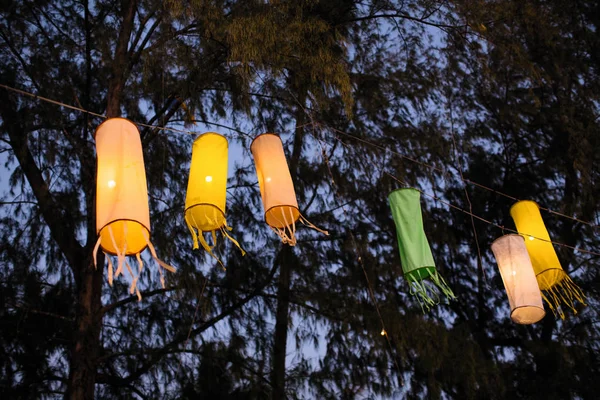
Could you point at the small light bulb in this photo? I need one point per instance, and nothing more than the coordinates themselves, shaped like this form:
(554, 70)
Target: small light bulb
(268, 179)
(383, 332)
(112, 184)
(208, 178)
(531, 238)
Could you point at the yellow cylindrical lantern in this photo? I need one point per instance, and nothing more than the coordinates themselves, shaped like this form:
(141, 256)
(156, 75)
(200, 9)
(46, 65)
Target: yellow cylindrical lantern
(207, 183)
(277, 188)
(521, 286)
(207, 189)
(557, 288)
(122, 214)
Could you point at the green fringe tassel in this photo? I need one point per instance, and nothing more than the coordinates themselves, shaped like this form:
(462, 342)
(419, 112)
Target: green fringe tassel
(428, 292)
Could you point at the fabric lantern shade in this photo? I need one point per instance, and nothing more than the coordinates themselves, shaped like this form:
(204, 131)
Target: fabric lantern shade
(519, 279)
(122, 213)
(556, 286)
(277, 188)
(207, 189)
(415, 254)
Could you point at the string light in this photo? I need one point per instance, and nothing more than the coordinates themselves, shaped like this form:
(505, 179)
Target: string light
(362, 265)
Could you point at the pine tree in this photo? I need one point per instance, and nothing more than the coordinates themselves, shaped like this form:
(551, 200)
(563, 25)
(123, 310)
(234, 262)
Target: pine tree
(367, 97)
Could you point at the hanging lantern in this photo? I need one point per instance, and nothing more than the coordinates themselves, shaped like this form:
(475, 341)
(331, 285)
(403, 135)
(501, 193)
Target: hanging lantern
(207, 190)
(519, 279)
(415, 255)
(277, 188)
(122, 214)
(556, 286)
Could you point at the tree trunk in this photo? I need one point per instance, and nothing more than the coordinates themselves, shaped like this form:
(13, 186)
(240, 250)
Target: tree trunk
(86, 344)
(281, 324)
(86, 340)
(285, 274)
(120, 63)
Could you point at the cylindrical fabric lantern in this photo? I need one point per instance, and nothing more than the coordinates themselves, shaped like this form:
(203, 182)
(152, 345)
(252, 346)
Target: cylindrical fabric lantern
(415, 255)
(207, 190)
(122, 214)
(277, 188)
(556, 286)
(521, 286)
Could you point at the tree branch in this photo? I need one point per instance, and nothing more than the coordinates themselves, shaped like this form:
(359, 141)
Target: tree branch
(403, 16)
(109, 307)
(118, 78)
(59, 220)
(157, 354)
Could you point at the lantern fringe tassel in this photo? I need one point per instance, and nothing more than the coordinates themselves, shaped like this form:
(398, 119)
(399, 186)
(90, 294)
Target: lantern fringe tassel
(427, 293)
(288, 232)
(198, 236)
(122, 260)
(563, 293)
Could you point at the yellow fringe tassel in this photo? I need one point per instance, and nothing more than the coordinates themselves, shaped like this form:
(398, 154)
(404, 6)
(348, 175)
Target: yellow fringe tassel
(563, 293)
(198, 236)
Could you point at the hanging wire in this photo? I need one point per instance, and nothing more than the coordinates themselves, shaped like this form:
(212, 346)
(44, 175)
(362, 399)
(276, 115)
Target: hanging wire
(460, 170)
(357, 138)
(71, 107)
(466, 180)
(199, 301)
(313, 123)
(47, 100)
(470, 213)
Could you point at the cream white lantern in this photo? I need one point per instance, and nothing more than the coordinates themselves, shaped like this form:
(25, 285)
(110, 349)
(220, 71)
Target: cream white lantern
(521, 286)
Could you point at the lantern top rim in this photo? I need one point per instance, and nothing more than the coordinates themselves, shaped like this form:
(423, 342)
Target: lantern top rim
(263, 134)
(509, 234)
(524, 201)
(211, 133)
(406, 188)
(113, 118)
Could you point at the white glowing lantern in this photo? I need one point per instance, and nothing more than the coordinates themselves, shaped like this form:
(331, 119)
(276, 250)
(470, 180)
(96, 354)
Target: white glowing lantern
(521, 285)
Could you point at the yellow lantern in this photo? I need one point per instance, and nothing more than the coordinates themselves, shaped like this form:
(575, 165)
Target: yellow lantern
(556, 286)
(122, 214)
(207, 190)
(277, 188)
(519, 279)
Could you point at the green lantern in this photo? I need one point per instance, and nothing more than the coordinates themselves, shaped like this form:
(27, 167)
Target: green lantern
(415, 255)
